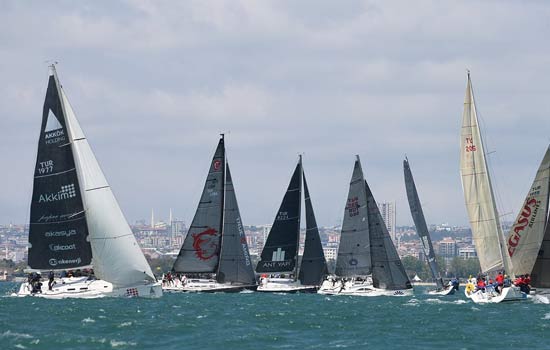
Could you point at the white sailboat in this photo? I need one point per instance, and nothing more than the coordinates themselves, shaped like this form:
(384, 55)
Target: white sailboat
(75, 221)
(480, 204)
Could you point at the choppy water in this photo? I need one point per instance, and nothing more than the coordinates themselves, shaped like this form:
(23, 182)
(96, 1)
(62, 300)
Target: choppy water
(271, 321)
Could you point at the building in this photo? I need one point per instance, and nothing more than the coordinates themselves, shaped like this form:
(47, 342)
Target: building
(387, 209)
(331, 253)
(467, 253)
(447, 248)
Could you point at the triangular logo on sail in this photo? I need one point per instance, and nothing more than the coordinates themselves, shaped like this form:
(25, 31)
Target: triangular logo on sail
(52, 123)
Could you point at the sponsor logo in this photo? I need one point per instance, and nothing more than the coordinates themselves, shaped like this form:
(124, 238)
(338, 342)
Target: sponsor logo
(352, 206)
(278, 255)
(217, 164)
(353, 262)
(206, 244)
(53, 133)
(283, 215)
(398, 292)
(132, 292)
(426, 247)
(277, 264)
(54, 137)
(64, 233)
(66, 192)
(45, 167)
(56, 262)
(243, 242)
(526, 218)
(52, 217)
(62, 247)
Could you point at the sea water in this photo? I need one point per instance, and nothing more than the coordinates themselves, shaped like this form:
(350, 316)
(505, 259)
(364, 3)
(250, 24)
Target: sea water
(271, 321)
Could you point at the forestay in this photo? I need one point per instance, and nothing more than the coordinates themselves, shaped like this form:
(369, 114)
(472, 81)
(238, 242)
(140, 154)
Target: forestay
(354, 257)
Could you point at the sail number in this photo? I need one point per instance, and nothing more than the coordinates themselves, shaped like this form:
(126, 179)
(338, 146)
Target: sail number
(470, 147)
(45, 167)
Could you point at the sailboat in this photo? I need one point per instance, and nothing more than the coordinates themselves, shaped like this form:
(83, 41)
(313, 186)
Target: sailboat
(279, 256)
(525, 241)
(214, 256)
(481, 206)
(423, 233)
(367, 263)
(75, 220)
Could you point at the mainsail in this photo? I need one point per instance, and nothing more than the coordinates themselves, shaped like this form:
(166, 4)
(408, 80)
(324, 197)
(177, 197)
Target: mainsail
(420, 223)
(314, 265)
(526, 235)
(540, 276)
(478, 192)
(201, 247)
(235, 265)
(281, 248)
(354, 257)
(58, 230)
(387, 270)
(117, 257)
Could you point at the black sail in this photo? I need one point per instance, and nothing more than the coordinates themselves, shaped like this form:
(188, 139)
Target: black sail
(314, 265)
(387, 270)
(281, 248)
(354, 250)
(235, 264)
(201, 247)
(540, 276)
(420, 223)
(58, 230)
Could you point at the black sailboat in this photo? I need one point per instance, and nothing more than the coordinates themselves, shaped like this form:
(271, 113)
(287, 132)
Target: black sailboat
(214, 255)
(279, 256)
(422, 231)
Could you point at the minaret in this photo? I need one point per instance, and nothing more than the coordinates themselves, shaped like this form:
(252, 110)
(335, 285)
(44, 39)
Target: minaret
(152, 219)
(170, 220)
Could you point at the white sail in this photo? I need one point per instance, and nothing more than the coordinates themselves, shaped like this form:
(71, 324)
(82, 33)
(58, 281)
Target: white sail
(117, 257)
(478, 192)
(525, 236)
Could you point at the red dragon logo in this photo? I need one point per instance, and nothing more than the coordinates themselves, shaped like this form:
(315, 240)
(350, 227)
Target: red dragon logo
(205, 244)
(217, 164)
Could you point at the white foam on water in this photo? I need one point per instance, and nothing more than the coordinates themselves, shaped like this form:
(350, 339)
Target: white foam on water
(201, 316)
(246, 291)
(10, 334)
(125, 324)
(19, 346)
(88, 320)
(546, 316)
(540, 299)
(117, 343)
(475, 308)
(460, 301)
(101, 316)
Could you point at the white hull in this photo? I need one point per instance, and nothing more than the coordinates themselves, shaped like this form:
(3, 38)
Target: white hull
(360, 288)
(283, 285)
(82, 288)
(201, 285)
(508, 294)
(449, 290)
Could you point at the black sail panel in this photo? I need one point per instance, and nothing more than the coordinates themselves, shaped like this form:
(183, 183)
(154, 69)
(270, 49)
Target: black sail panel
(201, 247)
(58, 231)
(235, 264)
(387, 270)
(281, 247)
(354, 257)
(420, 223)
(314, 265)
(540, 276)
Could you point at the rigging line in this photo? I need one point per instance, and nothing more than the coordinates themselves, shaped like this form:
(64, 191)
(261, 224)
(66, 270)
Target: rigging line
(97, 188)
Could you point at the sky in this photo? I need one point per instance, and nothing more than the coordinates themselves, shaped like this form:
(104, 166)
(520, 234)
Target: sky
(153, 83)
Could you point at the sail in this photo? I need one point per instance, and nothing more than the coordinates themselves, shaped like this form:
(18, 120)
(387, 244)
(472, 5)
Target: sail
(540, 276)
(420, 223)
(281, 247)
(58, 230)
(201, 247)
(354, 250)
(527, 232)
(117, 257)
(314, 265)
(387, 270)
(478, 192)
(235, 264)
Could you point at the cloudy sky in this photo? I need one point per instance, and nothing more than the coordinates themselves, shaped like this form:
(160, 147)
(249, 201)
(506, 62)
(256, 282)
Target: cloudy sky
(154, 82)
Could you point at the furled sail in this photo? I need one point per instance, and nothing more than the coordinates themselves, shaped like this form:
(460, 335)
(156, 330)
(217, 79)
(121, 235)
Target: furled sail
(58, 230)
(478, 192)
(420, 223)
(117, 257)
(387, 270)
(354, 257)
(525, 236)
(201, 247)
(314, 265)
(235, 264)
(280, 250)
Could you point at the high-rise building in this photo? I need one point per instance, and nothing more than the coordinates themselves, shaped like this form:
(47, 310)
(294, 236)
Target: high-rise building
(387, 209)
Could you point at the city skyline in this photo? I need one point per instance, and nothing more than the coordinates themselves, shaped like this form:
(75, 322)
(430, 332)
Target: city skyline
(153, 84)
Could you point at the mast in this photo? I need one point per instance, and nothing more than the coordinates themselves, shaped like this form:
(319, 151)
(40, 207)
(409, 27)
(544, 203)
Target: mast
(301, 176)
(222, 207)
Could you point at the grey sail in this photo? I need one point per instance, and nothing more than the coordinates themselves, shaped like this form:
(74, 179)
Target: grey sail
(354, 256)
(387, 270)
(281, 248)
(235, 265)
(201, 247)
(420, 223)
(58, 232)
(540, 276)
(314, 265)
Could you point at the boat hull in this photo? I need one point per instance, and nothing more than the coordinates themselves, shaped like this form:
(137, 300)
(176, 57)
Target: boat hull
(508, 294)
(203, 286)
(284, 285)
(82, 288)
(447, 291)
(360, 288)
